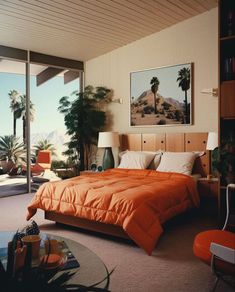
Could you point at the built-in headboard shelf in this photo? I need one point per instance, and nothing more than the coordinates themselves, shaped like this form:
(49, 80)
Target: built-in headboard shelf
(174, 142)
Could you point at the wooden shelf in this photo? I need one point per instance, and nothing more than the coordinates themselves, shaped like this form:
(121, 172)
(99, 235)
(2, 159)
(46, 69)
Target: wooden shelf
(228, 81)
(228, 38)
(227, 99)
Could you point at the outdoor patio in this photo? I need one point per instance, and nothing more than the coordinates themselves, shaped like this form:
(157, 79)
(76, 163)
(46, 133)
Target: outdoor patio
(15, 185)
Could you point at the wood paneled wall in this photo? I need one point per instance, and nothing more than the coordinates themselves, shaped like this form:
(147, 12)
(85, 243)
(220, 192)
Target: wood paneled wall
(173, 142)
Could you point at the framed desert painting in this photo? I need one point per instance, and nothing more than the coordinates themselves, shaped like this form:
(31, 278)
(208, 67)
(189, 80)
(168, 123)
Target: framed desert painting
(161, 96)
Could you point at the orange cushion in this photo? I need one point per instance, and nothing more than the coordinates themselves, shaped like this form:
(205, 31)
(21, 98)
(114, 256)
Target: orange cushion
(203, 240)
(44, 156)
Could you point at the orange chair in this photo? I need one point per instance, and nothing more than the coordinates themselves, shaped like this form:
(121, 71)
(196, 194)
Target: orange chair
(43, 162)
(217, 247)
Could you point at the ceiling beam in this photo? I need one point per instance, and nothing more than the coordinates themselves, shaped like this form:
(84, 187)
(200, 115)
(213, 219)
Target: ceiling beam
(47, 74)
(70, 76)
(54, 61)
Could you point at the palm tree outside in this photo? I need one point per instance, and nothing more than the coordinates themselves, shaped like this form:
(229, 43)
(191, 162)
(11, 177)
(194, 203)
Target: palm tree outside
(154, 88)
(44, 144)
(11, 150)
(23, 114)
(184, 83)
(14, 96)
(18, 107)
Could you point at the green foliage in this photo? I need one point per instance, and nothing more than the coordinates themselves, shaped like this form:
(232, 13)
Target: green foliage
(12, 150)
(223, 158)
(59, 164)
(84, 119)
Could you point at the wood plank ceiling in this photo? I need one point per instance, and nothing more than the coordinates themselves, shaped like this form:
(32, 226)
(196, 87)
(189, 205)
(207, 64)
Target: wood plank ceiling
(84, 29)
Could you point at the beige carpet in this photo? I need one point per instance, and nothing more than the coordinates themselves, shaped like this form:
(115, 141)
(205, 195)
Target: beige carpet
(172, 267)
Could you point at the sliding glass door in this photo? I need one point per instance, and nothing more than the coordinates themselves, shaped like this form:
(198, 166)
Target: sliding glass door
(13, 150)
(48, 132)
(31, 86)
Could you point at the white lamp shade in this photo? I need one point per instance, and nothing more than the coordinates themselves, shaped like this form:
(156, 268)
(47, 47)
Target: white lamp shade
(212, 141)
(108, 139)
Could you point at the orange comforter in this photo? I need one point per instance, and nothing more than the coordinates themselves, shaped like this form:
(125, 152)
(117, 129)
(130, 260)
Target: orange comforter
(138, 200)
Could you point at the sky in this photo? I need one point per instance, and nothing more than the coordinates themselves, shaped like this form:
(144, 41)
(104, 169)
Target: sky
(45, 99)
(168, 87)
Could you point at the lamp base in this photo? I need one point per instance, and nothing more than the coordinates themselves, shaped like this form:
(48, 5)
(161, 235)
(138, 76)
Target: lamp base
(209, 176)
(108, 160)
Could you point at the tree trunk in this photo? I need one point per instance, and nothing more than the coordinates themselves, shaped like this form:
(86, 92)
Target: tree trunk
(155, 101)
(186, 107)
(81, 156)
(24, 130)
(14, 126)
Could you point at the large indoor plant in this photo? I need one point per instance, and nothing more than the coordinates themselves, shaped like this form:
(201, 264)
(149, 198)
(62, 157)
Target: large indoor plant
(84, 117)
(223, 159)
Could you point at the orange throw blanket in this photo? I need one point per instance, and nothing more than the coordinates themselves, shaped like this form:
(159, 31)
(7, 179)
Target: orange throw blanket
(138, 200)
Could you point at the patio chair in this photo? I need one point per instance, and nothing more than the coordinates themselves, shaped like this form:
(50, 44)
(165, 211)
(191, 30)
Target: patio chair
(217, 247)
(43, 162)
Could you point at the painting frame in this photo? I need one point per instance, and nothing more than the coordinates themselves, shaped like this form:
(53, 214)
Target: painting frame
(162, 96)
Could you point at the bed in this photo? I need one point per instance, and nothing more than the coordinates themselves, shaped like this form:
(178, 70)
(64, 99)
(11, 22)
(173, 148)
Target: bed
(131, 203)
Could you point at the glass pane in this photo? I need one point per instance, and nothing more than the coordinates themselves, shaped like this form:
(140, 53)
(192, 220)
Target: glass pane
(48, 131)
(13, 167)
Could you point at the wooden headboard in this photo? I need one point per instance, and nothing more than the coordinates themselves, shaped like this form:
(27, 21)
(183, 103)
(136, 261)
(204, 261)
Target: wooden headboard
(174, 142)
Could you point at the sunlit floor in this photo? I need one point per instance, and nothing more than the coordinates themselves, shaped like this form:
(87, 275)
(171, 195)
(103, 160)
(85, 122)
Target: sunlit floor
(14, 185)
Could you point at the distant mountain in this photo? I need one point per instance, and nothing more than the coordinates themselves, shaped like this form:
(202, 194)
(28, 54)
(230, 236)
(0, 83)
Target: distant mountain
(147, 97)
(57, 137)
(168, 110)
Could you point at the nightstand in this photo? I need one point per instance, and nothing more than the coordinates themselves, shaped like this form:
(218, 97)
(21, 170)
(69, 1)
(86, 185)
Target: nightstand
(209, 195)
(208, 187)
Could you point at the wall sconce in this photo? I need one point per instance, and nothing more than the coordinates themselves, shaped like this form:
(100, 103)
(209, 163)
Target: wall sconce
(211, 91)
(117, 100)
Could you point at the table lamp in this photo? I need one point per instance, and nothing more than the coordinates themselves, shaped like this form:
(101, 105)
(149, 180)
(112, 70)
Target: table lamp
(212, 143)
(108, 140)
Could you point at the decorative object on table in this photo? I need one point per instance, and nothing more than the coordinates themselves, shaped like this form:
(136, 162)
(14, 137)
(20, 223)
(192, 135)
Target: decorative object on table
(161, 96)
(30, 229)
(84, 117)
(93, 167)
(108, 140)
(21, 276)
(100, 168)
(212, 143)
(32, 242)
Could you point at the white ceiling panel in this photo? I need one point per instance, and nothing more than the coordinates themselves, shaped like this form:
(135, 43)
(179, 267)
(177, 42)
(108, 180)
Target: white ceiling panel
(84, 29)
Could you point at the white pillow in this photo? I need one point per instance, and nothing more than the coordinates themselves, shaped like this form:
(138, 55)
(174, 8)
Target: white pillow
(181, 162)
(136, 159)
(156, 161)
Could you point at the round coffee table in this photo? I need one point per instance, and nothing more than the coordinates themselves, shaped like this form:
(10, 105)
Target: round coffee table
(91, 270)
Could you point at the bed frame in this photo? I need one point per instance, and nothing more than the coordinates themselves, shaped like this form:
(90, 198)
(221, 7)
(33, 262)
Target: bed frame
(174, 142)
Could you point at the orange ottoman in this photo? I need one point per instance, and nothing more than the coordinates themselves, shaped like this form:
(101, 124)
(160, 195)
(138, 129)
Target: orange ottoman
(202, 243)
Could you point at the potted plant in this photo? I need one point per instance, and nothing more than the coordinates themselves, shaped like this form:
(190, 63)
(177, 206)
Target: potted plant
(223, 159)
(84, 117)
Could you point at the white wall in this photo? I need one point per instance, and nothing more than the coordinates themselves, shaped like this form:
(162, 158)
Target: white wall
(194, 40)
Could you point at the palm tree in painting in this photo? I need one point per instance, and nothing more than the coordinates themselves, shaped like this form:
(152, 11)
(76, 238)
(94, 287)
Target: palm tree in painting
(184, 83)
(14, 96)
(154, 88)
